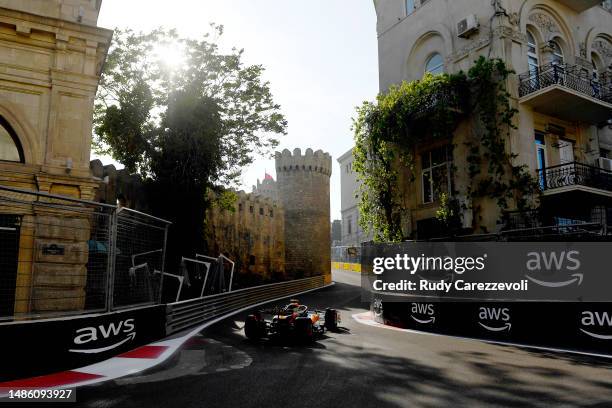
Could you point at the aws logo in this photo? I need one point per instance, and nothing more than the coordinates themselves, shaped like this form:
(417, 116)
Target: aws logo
(554, 262)
(124, 330)
(594, 323)
(425, 311)
(495, 319)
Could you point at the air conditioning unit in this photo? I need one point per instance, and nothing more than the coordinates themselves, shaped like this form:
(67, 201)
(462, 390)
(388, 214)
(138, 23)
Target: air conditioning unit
(468, 26)
(605, 163)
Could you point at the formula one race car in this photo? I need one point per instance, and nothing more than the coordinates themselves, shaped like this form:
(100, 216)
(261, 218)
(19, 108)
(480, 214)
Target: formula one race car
(294, 320)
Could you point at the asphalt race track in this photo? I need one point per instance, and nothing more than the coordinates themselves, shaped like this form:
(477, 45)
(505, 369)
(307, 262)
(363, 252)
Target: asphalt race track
(359, 366)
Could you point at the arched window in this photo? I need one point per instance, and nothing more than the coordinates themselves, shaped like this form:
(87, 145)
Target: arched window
(435, 64)
(595, 85)
(597, 65)
(557, 53)
(10, 148)
(532, 54)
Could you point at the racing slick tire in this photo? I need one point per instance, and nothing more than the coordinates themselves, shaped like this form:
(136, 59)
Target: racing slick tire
(331, 319)
(303, 329)
(252, 328)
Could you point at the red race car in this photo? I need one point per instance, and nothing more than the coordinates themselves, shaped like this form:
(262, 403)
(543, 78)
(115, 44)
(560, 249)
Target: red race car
(294, 320)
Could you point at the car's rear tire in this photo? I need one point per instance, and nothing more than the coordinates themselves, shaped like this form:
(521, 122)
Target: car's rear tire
(303, 329)
(331, 319)
(252, 328)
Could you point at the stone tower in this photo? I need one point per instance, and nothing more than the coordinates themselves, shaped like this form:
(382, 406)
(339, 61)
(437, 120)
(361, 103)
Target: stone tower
(303, 189)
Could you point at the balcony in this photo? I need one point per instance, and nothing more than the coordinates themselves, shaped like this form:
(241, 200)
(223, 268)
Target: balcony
(551, 225)
(454, 98)
(567, 92)
(580, 5)
(575, 177)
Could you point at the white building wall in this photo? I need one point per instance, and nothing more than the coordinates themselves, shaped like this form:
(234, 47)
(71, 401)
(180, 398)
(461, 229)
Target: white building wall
(352, 233)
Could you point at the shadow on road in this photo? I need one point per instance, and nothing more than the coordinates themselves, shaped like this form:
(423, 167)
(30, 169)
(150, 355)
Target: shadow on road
(371, 367)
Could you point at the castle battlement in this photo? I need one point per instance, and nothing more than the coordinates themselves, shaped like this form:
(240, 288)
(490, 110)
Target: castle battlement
(255, 199)
(318, 161)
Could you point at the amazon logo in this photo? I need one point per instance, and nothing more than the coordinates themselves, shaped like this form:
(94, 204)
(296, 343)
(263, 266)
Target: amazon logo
(552, 262)
(597, 324)
(423, 313)
(494, 319)
(116, 333)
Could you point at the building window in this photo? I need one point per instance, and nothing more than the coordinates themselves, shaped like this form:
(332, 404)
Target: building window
(261, 211)
(435, 173)
(409, 7)
(349, 225)
(557, 53)
(10, 148)
(251, 209)
(540, 144)
(532, 54)
(435, 64)
(271, 213)
(240, 207)
(596, 68)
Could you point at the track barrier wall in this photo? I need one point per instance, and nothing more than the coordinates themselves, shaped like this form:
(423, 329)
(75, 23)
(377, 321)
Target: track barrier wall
(557, 305)
(38, 347)
(575, 326)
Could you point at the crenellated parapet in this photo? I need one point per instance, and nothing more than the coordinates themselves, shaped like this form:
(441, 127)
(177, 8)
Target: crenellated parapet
(303, 189)
(256, 200)
(319, 161)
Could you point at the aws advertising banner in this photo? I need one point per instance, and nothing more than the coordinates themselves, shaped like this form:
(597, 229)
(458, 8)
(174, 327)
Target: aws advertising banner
(554, 295)
(493, 271)
(46, 346)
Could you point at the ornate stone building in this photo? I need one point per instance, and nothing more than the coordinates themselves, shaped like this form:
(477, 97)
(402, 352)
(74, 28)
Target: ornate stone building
(51, 58)
(561, 51)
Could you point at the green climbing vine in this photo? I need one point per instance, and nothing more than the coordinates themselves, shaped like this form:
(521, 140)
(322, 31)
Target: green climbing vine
(494, 116)
(388, 130)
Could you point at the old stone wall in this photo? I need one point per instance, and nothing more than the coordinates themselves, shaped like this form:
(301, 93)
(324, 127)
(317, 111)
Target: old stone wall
(251, 234)
(303, 186)
(119, 187)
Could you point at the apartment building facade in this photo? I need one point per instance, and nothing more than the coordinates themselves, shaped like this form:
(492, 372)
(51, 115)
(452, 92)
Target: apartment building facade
(561, 53)
(352, 233)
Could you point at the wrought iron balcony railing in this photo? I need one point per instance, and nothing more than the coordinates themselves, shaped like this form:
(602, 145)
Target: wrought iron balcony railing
(575, 174)
(546, 223)
(444, 97)
(569, 76)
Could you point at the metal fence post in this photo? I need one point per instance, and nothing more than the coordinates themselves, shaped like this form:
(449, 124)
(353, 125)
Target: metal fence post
(163, 266)
(112, 238)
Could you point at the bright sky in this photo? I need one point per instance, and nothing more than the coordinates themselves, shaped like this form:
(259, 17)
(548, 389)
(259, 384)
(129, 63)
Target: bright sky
(320, 58)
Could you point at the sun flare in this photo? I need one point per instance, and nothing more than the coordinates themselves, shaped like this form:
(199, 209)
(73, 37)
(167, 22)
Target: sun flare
(171, 55)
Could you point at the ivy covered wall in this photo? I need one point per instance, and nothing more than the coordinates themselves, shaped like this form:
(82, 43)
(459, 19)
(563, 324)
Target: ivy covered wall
(471, 113)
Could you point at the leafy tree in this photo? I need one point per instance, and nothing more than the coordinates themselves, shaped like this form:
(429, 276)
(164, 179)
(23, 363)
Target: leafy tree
(186, 129)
